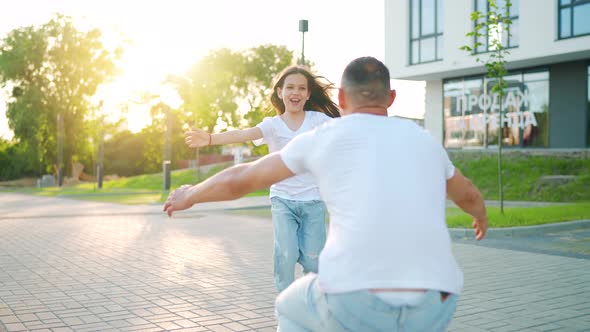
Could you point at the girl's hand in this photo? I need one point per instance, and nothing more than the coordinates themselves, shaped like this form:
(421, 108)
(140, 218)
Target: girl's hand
(197, 138)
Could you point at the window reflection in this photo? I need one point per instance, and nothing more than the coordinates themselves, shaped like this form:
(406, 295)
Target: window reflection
(471, 117)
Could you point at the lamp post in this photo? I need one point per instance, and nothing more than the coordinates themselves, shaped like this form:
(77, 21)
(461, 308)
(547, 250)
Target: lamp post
(100, 156)
(303, 30)
(60, 149)
(171, 102)
(167, 150)
(100, 163)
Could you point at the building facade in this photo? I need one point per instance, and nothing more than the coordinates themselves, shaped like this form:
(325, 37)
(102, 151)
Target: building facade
(547, 102)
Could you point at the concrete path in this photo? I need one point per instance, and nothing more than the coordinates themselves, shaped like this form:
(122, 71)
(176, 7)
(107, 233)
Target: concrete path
(83, 266)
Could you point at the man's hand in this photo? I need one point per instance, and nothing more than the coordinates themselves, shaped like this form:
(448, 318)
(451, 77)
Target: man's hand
(197, 138)
(178, 200)
(480, 227)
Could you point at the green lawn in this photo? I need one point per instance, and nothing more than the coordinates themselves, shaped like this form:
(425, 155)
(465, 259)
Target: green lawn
(512, 216)
(521, 183)
(522, 174)
(142, 189)
(523, 216)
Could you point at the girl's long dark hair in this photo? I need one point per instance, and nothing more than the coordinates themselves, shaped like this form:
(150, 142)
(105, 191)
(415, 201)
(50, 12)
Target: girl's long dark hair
(319, 99)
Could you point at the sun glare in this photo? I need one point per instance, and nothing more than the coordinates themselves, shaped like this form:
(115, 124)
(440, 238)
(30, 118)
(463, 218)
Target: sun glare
(138, 118)
(162, 41)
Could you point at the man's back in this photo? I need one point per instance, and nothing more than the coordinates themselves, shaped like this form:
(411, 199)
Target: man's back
(383, 180)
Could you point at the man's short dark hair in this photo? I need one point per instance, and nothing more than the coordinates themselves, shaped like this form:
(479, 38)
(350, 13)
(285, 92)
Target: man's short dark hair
(366, 78)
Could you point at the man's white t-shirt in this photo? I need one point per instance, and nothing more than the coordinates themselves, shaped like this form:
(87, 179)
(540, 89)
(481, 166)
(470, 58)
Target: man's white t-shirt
(277, 134)
(383, 180)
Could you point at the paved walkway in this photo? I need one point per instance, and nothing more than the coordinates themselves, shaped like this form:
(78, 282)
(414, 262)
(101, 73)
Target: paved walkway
(83, 266)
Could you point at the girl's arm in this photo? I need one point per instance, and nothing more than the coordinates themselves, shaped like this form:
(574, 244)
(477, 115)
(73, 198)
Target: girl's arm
(197, 137)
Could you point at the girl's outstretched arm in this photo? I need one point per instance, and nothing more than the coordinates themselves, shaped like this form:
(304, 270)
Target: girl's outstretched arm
(196, 138)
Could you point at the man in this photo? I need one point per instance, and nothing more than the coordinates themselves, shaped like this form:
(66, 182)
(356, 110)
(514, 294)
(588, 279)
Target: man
(387, 264)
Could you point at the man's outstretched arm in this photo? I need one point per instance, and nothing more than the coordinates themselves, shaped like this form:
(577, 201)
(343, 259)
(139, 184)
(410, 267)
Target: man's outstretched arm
(467, 197)
(231, 183)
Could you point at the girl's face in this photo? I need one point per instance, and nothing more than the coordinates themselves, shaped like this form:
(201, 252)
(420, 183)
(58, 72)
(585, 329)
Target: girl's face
(294, 92)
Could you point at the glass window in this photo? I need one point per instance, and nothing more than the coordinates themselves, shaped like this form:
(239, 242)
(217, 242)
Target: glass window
(582, 19)
(535, 132)
(565, 23)
(453, 108)
(415, 19)
(573, 18)
(511, 39)
(471, 111)
(425, 31)
(474, 115)
(416, 51)
(439, 20)
(428, 17)
(427, 50)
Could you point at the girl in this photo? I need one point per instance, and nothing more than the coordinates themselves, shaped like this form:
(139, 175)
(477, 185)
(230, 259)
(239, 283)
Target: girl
(302, 102)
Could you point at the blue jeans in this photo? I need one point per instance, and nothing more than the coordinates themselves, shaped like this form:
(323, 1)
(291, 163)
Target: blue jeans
(299, 236)
(304, 307)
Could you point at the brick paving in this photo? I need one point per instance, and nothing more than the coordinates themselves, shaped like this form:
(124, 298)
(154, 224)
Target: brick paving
(83, 266)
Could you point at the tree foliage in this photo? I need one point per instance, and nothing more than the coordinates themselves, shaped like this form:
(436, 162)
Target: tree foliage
(215, 87)
(53, 69)
(13, 158)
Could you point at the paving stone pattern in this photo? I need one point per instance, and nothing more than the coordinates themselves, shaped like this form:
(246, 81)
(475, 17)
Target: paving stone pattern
(210, 271)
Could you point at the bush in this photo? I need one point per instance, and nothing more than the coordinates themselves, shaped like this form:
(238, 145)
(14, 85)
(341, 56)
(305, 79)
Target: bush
(14, 161)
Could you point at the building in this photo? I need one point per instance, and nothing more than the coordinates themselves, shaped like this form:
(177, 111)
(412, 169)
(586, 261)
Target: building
(548, 94)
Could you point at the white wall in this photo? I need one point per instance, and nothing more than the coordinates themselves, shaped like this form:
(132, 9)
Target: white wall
(538, 43)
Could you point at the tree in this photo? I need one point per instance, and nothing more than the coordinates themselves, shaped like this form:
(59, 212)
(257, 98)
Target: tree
(13, 158)
(154, 140)
(493, 26)
(210, 89)
(53, 69)
(215, 87)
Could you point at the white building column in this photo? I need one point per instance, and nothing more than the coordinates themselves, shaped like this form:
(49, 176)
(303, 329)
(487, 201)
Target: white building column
(433, 114)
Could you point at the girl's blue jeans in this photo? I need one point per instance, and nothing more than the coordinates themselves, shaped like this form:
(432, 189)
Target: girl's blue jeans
(299, 237)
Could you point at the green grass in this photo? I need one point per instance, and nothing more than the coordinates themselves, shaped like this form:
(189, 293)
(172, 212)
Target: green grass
(521, 183)
(142, 189)
(526, 216)
(521, 176)
(523, 216)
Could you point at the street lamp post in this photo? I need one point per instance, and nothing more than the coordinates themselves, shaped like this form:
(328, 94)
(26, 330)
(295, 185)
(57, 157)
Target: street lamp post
(167, 151)
(100, 163)
(171, 102)
(303, 30)
(60, 149)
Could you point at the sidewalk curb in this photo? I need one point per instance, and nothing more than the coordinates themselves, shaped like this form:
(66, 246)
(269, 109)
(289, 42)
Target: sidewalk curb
(522, 231)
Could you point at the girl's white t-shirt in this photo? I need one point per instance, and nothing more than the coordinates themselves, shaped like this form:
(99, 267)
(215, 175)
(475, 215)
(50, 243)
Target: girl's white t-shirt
(277, 134)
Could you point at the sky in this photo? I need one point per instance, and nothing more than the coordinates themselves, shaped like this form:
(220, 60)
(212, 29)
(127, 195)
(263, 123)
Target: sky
(167, 37)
